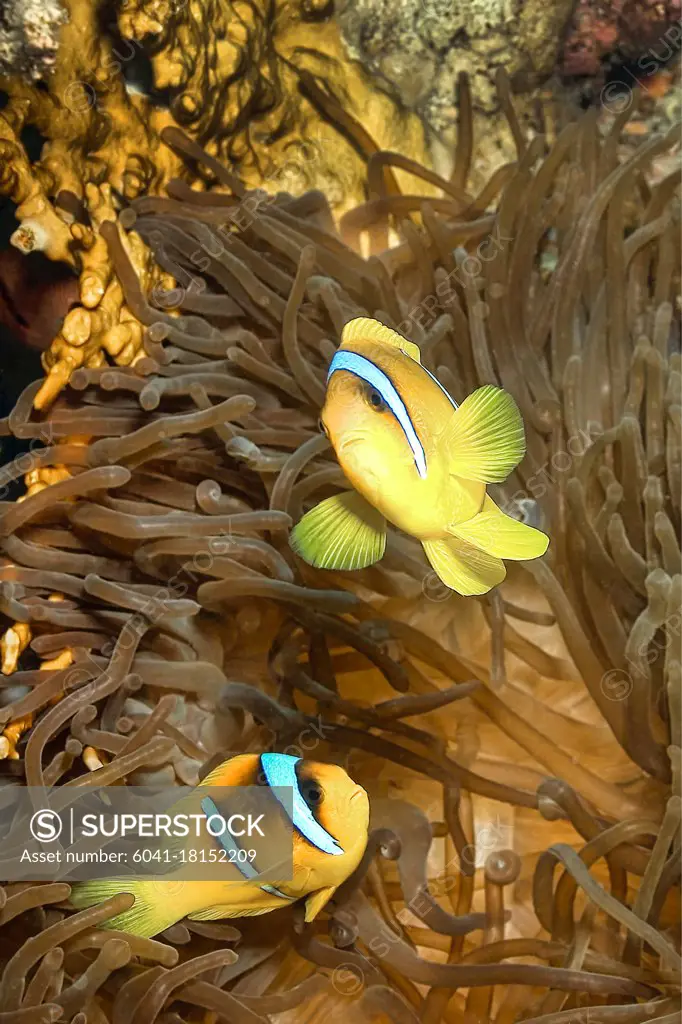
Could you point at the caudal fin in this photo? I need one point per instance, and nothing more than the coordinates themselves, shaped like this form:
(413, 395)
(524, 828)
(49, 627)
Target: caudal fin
(464, 568)
(500, 535)
(152, 912)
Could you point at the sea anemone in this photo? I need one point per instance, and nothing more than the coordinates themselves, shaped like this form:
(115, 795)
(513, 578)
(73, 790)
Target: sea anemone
(521, 751)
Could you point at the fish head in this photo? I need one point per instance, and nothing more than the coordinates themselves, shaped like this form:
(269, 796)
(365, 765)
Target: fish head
(367, 439)
(338, 803)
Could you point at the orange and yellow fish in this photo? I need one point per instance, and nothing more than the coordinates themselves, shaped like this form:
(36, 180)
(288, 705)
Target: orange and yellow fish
(329, 822)
(418, 460)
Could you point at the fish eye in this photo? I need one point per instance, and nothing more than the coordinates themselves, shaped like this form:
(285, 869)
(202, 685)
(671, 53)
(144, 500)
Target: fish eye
(312, 792)
(376, 401)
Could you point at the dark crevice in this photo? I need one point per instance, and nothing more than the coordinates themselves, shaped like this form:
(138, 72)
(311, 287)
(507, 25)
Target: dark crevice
(621, 75)
(131, 58)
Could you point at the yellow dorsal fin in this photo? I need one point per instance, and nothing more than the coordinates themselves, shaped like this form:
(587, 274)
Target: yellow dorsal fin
(364, 328)
(235, 771)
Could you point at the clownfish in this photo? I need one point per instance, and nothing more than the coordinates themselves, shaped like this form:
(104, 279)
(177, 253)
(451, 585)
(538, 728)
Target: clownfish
(329, 824)
(419, 460)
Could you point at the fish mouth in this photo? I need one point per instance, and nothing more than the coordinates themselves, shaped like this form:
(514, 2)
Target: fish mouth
(351, 442)
(358, 791)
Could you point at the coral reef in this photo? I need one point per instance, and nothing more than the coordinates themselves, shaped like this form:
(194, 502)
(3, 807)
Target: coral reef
(241, 96)
(98, 140)
(29, 37)
(288, 95)
(522, 752)
(416, 50)
(644, 31)
(228, 73)
(418, 47)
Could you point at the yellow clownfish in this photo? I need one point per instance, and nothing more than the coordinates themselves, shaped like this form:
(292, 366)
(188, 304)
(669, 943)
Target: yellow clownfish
(419, 460)
(329, 822)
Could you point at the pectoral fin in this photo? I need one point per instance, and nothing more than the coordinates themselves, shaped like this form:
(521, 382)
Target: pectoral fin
(484, 439)
(500, 535)
(343, 532)
(464, 568)
(363, 328)
(317, 900)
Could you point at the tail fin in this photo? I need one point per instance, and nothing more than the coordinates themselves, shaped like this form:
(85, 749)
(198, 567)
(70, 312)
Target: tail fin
(464, 568)
(498, 534)
(152, 912)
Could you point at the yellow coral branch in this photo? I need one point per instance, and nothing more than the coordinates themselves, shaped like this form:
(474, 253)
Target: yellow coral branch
(93, 759)
(13, 644)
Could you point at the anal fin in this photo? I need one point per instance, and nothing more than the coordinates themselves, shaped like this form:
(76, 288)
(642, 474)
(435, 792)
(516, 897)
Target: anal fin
(316, 901)
(227, 910)
(463, 567)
